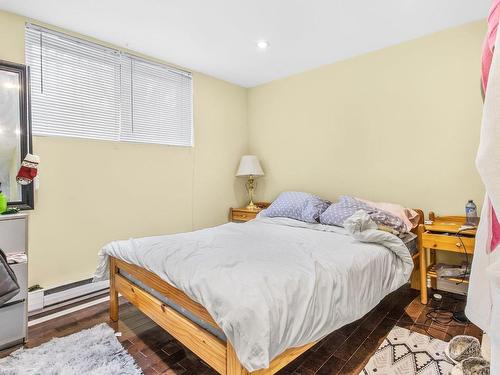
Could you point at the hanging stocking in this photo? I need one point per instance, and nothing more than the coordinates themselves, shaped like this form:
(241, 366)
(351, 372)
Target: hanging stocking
(28, 170)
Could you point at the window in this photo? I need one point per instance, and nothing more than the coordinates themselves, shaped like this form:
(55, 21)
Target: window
(156, 102)
(82, 89)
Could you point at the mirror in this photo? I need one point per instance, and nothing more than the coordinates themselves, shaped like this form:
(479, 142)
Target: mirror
(15, 132)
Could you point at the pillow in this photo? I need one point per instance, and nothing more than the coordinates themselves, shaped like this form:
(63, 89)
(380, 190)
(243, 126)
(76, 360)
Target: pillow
(409, 216)
(386, 219)
(338, 212)
(297, 205)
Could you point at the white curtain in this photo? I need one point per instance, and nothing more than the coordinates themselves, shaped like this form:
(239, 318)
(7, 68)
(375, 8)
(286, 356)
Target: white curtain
(483, 304)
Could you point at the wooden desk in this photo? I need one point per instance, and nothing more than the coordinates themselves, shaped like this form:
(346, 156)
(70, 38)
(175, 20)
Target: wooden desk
(444, 234)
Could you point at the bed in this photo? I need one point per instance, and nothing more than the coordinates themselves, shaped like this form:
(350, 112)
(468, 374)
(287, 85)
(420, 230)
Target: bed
(250, 298)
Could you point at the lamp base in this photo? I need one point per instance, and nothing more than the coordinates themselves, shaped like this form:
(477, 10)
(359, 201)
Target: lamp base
(251, 187)
(252, 207)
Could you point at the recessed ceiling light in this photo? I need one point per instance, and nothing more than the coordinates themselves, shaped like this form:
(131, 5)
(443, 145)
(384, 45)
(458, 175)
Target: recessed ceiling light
(263, 44)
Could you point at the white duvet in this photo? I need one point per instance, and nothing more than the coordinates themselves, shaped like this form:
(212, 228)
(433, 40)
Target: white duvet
(272, 284)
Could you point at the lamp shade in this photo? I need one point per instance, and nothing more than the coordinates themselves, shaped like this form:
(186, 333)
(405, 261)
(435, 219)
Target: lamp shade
(249, 166)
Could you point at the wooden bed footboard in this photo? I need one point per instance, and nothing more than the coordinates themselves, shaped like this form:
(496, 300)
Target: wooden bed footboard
(219, 354)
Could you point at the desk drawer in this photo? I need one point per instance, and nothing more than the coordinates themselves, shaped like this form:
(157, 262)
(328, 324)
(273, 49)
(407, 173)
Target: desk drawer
(449, 243)
(243, 216)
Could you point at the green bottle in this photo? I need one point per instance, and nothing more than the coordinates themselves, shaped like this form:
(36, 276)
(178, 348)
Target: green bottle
(3, 200)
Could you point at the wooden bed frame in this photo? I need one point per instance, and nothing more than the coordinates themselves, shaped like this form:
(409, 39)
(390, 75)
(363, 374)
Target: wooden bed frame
(218, 354)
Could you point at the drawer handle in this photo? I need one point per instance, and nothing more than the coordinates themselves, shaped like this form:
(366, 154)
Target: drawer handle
(243, 215)
(458, 244)
(132, 289)
(163, 306)
(435, 245)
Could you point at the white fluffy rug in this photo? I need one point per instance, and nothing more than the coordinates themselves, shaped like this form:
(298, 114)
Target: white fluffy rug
(94, 351)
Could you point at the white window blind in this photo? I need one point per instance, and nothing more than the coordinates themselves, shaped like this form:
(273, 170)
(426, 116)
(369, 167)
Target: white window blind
(157, 103)
(75, 87)
(82, 89)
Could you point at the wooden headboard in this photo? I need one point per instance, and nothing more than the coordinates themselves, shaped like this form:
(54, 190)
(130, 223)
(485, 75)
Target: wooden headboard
(263, 204)
(415, 275)
(420, 219)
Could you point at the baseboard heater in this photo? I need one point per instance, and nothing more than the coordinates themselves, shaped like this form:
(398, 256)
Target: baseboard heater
(52, 298)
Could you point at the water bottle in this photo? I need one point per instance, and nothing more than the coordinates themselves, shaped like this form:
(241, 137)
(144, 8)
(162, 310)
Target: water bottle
(471, 213)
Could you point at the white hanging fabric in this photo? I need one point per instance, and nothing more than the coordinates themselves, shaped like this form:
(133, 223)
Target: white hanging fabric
(483, 302)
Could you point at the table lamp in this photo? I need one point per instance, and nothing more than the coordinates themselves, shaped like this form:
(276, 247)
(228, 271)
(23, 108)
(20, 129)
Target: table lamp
(250, 167)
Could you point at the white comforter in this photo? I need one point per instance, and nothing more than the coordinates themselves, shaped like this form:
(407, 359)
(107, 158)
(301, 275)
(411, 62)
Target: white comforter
(272, 284)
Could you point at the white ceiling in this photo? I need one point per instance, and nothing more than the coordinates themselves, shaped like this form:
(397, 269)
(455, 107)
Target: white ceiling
(218, 37)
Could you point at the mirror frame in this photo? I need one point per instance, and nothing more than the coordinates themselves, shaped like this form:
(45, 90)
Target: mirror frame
(27, 201)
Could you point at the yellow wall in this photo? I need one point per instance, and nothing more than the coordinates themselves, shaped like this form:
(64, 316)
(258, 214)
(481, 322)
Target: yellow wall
(400, 124)
(92, 192)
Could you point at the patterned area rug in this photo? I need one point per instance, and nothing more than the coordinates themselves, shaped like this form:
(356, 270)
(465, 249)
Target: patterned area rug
(405, 353)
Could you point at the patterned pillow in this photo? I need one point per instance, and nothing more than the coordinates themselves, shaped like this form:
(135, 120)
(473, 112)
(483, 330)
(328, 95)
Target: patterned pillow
(338, 212)
(384, 218)
(297, 205)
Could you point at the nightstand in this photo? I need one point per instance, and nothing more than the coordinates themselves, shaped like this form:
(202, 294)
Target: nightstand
(444, 234)
(242, 215)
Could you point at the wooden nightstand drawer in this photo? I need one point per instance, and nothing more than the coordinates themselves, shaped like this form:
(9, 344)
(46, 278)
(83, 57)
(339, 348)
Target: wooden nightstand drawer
(243, 215)
(449, 243)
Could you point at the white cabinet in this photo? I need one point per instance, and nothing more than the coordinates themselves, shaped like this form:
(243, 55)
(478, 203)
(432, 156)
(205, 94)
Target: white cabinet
(13, 313)
(13, 233)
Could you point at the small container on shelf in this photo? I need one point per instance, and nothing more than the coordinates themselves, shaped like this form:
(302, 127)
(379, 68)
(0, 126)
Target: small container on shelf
(471, 213)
